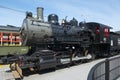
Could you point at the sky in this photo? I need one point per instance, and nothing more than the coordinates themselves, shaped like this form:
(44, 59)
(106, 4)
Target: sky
(103, 11)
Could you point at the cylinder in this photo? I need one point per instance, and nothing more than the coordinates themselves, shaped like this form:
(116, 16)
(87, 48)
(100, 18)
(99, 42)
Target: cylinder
(40, 13)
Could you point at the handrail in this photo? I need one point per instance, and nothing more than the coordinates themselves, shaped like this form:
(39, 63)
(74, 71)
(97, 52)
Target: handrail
(107, 68)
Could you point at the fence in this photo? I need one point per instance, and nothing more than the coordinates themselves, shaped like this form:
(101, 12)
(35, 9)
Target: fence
(106, 70)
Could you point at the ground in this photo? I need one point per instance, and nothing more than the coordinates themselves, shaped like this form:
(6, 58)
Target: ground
(78, 72)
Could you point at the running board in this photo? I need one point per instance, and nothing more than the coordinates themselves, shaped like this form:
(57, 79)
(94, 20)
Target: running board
(67, 60)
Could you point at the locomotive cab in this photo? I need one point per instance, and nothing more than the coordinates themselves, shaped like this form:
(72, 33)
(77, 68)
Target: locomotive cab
(101, 32)
(101, 43)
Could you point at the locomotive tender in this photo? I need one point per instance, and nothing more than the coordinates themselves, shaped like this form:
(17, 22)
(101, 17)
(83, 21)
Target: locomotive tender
(53, 44)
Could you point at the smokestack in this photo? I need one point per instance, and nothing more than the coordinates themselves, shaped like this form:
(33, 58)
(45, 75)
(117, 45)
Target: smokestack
(40, 13)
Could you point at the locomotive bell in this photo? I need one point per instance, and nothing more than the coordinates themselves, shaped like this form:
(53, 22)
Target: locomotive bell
(40, 13)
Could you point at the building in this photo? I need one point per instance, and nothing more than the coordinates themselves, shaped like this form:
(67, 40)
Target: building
(10, 36)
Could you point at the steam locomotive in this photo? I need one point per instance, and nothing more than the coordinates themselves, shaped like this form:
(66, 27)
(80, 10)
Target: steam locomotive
(52, 44)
